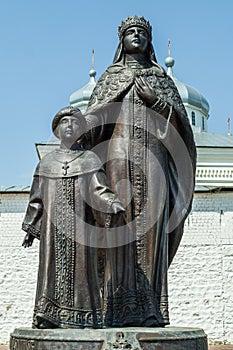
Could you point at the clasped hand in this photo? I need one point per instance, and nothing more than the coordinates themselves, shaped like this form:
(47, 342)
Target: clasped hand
(145, 91)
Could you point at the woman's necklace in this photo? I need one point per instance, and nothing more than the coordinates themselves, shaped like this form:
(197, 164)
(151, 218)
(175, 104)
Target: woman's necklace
(65, 163)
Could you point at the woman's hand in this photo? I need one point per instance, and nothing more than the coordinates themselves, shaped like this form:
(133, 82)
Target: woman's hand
(145, 91)
(28, 240)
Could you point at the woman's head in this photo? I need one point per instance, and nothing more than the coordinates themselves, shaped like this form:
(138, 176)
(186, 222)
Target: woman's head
(135, 34)
(135, 21)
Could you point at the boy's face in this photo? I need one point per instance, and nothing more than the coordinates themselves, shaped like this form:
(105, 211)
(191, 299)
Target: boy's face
(69, 130)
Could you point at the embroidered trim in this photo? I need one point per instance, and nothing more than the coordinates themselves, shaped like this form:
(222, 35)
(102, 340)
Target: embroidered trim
(132, 306)
(108, 220)
(163, 305)
(62, 315)
(149, 71)
(138, 172)
(64, 242)
(31, 229)
(109, 215)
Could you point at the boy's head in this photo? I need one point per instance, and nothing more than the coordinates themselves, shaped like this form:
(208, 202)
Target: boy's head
(69, 125)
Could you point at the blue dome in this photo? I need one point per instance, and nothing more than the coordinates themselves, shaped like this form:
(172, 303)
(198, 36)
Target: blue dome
(191, 96)
(188, 94)
(81, 97)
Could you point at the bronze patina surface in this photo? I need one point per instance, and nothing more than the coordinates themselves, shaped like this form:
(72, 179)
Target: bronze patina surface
(141, 132)
(171, 338)
(127, 167)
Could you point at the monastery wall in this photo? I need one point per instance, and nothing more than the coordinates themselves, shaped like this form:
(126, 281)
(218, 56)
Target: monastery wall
(201, 275)
(18, 272)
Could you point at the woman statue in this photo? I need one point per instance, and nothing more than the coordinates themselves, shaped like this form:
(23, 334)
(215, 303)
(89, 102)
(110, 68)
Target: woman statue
(140, 130)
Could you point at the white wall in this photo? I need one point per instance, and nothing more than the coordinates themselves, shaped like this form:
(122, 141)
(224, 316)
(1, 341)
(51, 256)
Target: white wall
(198, 118)
(18, 270)
(200, 278)
(201, 275)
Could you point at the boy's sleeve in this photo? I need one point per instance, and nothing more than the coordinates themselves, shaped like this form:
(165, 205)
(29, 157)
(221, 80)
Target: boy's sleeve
(102, 198)
(32, 220)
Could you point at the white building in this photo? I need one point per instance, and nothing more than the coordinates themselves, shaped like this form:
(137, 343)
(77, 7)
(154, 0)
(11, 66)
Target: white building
(201, 276)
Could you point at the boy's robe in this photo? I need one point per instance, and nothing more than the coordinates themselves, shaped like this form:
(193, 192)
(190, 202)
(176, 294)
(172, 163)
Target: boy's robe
(67, 202)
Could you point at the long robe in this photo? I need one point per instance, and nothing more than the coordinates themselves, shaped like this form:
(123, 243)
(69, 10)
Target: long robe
(67, 202)
(149, 154)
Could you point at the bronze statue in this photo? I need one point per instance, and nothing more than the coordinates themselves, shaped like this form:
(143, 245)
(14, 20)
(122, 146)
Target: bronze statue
(140, 130)
(69, 198)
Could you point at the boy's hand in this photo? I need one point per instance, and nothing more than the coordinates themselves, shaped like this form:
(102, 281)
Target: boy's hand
(117, 208)
(28, 240)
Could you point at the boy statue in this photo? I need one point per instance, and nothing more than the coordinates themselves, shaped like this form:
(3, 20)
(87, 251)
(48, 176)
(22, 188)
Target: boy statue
(69, 199)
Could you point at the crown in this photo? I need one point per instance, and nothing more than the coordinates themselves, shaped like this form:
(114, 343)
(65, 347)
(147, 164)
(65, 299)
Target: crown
(134, 21)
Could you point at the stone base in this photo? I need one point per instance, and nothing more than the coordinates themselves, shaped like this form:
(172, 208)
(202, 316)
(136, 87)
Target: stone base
(169, 338)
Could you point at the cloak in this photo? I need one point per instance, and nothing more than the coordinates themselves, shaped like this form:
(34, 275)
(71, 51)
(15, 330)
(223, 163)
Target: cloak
(149, 156)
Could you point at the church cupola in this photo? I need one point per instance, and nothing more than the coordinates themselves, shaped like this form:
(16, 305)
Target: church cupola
(196, 105)
(81, 97)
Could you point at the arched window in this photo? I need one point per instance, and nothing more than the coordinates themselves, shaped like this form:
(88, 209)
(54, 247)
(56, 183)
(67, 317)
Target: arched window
(193, 118)
(203, 123)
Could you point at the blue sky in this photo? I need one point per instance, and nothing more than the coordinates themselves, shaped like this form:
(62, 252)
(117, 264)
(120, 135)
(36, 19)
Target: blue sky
(45, 55)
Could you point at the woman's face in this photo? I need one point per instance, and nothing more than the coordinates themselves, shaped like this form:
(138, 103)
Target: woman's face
(135, 40)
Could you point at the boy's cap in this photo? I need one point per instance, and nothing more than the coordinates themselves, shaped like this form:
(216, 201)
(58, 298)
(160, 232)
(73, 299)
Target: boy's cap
(69, 111)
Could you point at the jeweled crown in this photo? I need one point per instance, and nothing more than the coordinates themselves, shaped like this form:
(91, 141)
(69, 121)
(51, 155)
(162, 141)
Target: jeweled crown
(134, 21)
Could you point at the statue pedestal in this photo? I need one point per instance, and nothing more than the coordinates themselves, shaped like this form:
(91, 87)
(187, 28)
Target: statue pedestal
(169, 338)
